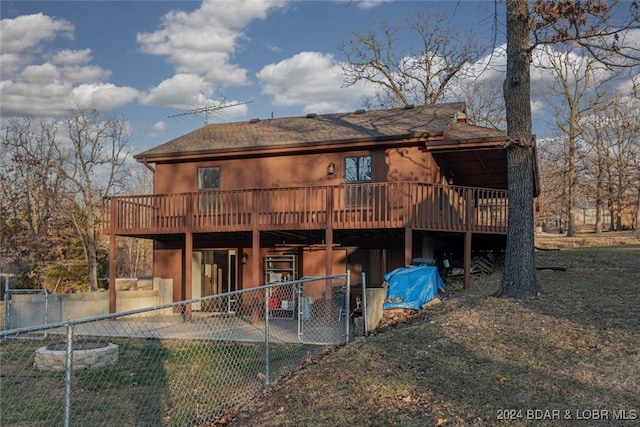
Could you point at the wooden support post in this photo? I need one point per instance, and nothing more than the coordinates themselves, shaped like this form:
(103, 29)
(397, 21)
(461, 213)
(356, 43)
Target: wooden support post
(467, 260)
(408, 245)
(328, 238)
(188, 273)
(468, 235)
(328, 235)
(255, 257)
(253, 297)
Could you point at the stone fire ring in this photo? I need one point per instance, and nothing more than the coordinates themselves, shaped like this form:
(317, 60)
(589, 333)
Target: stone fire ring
(87, 354)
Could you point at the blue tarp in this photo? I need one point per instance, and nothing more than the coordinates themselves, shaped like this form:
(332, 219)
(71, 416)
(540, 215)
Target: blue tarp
(412, 287)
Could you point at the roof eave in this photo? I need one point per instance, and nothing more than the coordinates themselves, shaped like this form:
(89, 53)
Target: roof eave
(417, 138)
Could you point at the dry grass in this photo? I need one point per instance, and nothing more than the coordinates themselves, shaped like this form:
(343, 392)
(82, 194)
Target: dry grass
(571, 352)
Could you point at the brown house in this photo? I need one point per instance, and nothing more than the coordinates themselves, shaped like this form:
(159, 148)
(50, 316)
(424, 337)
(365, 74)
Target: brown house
(366, 191)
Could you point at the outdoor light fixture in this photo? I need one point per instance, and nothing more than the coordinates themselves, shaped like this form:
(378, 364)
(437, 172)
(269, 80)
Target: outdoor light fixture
(244, 258)
(331, 168)
(450, 177)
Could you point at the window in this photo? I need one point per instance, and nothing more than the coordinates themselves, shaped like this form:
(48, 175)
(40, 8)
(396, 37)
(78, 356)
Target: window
(358, 170)
(208, 179)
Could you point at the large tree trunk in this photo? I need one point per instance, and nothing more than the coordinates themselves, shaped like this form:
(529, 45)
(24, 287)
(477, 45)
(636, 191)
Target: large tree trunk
(612, 218)
(571, 225)
(519, 279)
(599, 191)
(599, 204)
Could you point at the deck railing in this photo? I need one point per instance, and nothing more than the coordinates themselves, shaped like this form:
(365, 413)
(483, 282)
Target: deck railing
(348, 206)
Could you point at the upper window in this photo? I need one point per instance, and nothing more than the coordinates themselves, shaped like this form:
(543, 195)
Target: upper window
(357, 169)
(209, 178)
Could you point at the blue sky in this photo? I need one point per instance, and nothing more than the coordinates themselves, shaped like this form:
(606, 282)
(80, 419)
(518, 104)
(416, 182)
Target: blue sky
(150, 60)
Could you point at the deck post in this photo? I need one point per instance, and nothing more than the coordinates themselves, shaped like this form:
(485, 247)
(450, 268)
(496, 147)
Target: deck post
(328, 238)
(255, 239)
(328, 235)
(255, 261)
(188, 274)
(112, 255)
(408, 244)
(467, 260)
(255, 256)
(466, 284)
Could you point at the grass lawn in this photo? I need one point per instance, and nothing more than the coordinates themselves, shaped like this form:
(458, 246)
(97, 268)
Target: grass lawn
(154, 383)
(569, 357)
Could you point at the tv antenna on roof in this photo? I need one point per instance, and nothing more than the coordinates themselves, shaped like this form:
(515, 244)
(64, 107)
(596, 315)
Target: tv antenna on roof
(208, 109)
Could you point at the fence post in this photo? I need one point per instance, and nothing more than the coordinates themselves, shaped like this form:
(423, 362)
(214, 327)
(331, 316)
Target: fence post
(364, 303)
(46, 311)
(347, 308)
(267, 294)
(6, 303)
(68, 366)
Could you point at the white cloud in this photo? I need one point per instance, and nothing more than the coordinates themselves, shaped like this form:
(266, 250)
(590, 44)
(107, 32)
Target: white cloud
(72, 57)
(231, 109)
(102, 96)
(158, 129)
(365, 4)
(58, 98)
(272, 48)
(40, 73)
(203, 41)
(11, 64)
(537, 107)
(182, 91)
(28, 99)
(311, 79)
(28, 31)
(85, 74)
(186, 92)
(33, 86)
(491, 67)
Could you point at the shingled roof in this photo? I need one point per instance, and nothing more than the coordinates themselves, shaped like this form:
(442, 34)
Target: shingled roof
(429, 121)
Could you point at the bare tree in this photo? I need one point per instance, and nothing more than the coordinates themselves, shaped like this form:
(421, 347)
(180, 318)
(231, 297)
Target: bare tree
(597, 160)
(622, 132)
(30, 198)
(94, 167)
(585, 23)
(596, 164)
(135, 256)
(483, 98)
(552, 157)
(408, 77)
(519, 278)
(576, 78)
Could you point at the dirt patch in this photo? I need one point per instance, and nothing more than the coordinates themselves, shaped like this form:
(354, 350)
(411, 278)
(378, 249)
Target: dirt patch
(570, 356)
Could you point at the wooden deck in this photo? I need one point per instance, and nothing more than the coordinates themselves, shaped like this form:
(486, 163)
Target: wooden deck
(415, 205)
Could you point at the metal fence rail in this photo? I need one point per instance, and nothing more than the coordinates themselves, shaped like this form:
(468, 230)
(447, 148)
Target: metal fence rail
(150, 367)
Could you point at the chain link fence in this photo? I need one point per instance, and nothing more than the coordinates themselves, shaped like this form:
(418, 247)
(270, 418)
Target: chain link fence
(24, 307)
(169, 365)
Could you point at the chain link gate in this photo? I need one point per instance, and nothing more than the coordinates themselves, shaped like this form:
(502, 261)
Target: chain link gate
(24, 307)
(150, 367)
